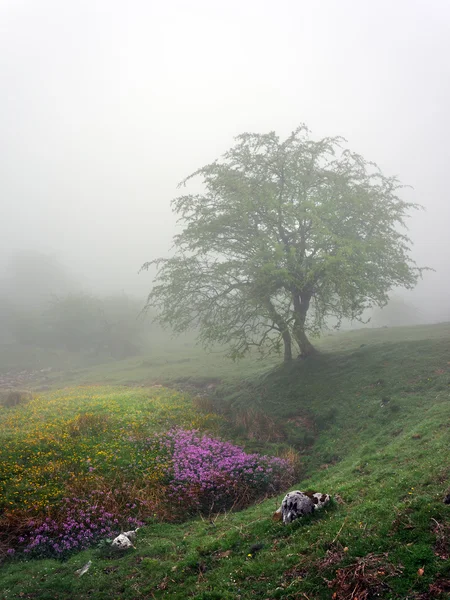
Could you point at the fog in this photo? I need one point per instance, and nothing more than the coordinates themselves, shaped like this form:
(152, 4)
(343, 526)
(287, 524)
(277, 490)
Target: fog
(107, 105)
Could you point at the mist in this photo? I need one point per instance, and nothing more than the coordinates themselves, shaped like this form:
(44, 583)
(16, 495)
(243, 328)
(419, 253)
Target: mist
(106, 106)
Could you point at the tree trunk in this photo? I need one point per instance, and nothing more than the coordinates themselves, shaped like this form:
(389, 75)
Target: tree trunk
(287, 341)
(306, 348)
(301, 306)
(283, 329)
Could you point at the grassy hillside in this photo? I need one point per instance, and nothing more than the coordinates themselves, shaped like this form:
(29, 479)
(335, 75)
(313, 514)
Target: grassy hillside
(370, 420)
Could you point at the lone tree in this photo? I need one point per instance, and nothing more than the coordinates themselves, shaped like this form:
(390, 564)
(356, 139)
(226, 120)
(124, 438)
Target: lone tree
(284, 235)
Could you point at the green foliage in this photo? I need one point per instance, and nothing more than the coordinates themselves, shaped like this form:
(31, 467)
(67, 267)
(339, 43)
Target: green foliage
(286, 234)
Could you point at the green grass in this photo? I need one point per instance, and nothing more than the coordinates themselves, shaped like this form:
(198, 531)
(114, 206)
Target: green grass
(377, 409)
(172, 360)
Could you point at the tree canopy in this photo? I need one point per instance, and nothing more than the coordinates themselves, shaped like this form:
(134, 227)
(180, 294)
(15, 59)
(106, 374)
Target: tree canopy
(283, 235)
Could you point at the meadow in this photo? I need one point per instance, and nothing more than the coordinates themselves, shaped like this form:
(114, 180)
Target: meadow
(79, 465)
(368, 421)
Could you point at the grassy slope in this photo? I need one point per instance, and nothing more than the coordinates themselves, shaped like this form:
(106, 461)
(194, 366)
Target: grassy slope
(389, 464)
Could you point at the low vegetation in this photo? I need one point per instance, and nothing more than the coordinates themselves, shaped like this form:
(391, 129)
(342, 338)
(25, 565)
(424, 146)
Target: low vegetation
(376, 410)
(77, 466)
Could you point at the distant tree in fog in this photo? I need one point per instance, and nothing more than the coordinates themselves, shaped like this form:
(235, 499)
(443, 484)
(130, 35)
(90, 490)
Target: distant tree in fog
(284, 235)
(31, 278)
(83, 323)
(397, 312)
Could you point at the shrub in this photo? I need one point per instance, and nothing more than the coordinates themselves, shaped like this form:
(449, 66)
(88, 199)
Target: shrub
(204, 474)
(79, 524)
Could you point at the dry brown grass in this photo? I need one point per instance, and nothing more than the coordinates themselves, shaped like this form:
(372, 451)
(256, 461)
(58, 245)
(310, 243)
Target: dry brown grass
(293, 458)
(14, 524)
(258, 425)
(88, 424)
(11, 398)
(442, 533)
(203, 404)
(364, 579)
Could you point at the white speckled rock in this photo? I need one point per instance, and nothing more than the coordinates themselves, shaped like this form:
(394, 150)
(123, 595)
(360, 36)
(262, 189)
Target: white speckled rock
(124, 541)
(320, 499)
(131, 535)
(296, 504)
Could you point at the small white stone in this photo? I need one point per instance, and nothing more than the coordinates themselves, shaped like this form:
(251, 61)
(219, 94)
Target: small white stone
(84, 569)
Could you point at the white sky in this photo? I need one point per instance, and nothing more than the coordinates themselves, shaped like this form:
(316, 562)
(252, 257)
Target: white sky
(106, 105)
